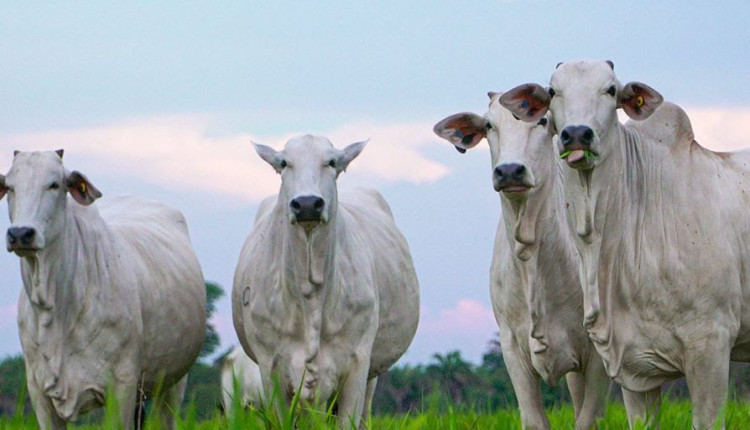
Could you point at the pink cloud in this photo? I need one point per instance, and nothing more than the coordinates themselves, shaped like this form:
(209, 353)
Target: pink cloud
(466, 327)
(175, 153)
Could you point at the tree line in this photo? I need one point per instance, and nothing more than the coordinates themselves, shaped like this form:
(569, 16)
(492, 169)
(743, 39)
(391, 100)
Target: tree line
(446, 381)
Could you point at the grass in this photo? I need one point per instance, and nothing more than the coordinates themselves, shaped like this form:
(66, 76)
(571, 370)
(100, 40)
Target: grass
(278, 415)
(674, 415)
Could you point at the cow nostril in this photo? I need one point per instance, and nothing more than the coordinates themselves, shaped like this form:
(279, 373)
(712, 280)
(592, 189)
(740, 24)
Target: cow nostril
(588, 136)
(520, 169)
(295, 205)
(565, 137)
(28, 237)
(319, 204)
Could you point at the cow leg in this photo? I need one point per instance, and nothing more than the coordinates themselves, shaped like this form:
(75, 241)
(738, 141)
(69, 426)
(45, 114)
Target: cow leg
(642, 407)
(576, 387)
(709, 362)
(45, 412)
(127, 398)
(595, 394)
(352, 397)
(369, 394)
(168, 403)
(526, 385)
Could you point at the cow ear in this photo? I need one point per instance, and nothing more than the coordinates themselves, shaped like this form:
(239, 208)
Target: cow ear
(3, 188)
(81, 189)
(638, 100)
(464, 130)
(270, 156)
(527, 102)
(348, 154)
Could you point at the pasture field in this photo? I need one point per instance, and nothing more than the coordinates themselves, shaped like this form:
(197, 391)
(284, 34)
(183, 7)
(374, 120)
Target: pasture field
(674, 415)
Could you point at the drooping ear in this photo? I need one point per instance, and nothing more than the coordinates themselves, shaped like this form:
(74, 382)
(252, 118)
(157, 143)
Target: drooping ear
(79, 187)
(270, 155)
(527, 102)
(348, 154)
(3, 188)
(638, 100)
(464, 130)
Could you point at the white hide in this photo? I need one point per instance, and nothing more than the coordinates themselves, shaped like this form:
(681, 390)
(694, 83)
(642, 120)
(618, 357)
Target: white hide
(113, 293)
(534, 279)
(238, 368)
(326, 306)
(663, 229)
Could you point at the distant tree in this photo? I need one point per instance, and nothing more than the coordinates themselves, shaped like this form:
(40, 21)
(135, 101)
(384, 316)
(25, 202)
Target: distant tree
(213, 293)
(455, 375)
(203, 391)
(12, 383)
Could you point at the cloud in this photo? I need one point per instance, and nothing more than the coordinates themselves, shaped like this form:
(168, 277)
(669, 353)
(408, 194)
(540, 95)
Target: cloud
(176, 153)
(721, 129)
(466, 327)
(466, 317)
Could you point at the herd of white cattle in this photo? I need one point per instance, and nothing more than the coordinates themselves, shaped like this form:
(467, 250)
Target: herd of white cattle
(622, 253)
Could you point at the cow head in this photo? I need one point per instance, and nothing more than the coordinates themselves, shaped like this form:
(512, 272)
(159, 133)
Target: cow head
(36, 186)
(518, 148)
(309, 167)
(583, 97)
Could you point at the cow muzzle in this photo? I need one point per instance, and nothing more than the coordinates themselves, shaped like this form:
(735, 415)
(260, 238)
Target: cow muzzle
(22, 240)
(308, 209)
(577, 141)
(511, 178)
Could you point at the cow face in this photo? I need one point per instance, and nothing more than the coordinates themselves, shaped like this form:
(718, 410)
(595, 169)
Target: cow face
(520, 150)
(36, 186)
(309, 167)
(583, 97)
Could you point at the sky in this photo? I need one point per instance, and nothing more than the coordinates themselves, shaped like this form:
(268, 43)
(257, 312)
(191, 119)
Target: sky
(162, 99)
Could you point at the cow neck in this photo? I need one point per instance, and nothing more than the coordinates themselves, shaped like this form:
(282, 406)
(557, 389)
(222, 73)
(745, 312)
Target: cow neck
(58, 289)
(48, 275)
(308, 261)
(610, 191)
(541, 217)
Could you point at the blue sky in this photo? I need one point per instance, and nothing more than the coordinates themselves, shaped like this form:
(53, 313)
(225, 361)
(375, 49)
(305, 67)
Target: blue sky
(163, 99)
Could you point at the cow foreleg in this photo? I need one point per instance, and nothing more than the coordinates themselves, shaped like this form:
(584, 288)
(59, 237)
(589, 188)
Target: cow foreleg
(369, 394)
(595, 390)
(127, 399)
(169, 402)
(45, 412)
(352, 396)
(526, 385)
(642, 407)
(707, 376)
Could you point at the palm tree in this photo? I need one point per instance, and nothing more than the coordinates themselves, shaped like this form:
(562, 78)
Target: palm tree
(454, 373)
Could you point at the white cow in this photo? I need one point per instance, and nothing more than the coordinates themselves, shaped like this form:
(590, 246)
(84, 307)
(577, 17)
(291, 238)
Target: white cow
(240, 375)
(325, 294)
(111, 299)
(534, 285)
(663, 228)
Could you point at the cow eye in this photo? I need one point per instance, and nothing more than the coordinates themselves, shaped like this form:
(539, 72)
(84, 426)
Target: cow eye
(332, 163)
(551, 92)
(282, 164)
(542, 122)
(54, 186)
(611, 90)
(488, 125)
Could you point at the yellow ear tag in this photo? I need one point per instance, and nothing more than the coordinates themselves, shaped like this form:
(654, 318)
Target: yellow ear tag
(82, 187)
(639, 101)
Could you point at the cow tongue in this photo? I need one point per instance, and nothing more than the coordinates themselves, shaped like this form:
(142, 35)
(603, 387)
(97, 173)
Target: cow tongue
(574, 156)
